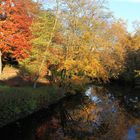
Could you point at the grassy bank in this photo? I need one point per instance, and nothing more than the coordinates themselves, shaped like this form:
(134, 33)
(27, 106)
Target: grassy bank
(18, 102)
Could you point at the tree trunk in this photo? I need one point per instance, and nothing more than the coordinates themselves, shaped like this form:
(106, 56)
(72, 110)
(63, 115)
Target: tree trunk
(44, 58)
(0, 62)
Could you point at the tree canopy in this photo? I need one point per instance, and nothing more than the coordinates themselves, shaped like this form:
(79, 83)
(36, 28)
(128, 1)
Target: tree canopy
(74, 40)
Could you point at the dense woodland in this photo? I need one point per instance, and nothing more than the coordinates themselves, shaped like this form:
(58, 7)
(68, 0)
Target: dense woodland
(76, 40)
(61, 66)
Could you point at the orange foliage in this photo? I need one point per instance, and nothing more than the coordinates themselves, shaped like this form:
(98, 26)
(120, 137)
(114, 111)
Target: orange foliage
(14, 29)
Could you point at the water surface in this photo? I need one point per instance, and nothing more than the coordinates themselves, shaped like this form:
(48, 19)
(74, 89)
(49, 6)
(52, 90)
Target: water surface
(100, 113)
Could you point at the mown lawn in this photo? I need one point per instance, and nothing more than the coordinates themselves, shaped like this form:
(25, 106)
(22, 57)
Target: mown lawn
(18, 102)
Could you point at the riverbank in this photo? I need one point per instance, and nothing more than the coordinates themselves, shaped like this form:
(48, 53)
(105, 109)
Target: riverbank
(18, 99)
(18, 102)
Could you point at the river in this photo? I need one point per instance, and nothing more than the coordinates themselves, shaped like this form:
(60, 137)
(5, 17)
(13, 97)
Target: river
(101, 113)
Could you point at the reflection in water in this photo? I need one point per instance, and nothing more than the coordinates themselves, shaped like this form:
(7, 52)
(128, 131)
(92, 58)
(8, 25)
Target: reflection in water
(96, 115)
(132, 133)
(49, 130)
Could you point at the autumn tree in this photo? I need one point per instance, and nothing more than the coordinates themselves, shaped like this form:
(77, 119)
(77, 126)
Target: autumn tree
(77, 40)
(84, 23)
(45, 32)
(94, 44)
(113, 56)
(88, 44)
(133, 54)
(15, 31)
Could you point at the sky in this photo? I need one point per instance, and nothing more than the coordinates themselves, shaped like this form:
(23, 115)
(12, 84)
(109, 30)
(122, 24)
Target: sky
(129, 10)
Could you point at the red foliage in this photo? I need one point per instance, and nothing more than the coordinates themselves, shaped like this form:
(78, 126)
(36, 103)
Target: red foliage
(14, 28)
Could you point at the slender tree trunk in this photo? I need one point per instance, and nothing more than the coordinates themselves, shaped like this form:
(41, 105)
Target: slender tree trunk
(0, 62)
(44, 57)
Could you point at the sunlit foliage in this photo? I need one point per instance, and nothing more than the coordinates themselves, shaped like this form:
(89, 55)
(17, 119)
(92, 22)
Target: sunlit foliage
(74, 40)
(14, 29)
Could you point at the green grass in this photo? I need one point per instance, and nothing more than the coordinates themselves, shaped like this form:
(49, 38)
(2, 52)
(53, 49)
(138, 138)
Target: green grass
(18, 102)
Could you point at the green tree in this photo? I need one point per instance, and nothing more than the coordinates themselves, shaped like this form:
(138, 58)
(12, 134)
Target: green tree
(43, 29)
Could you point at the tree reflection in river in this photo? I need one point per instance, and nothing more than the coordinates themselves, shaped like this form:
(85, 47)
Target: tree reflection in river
(50, 130)
(95, 115)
